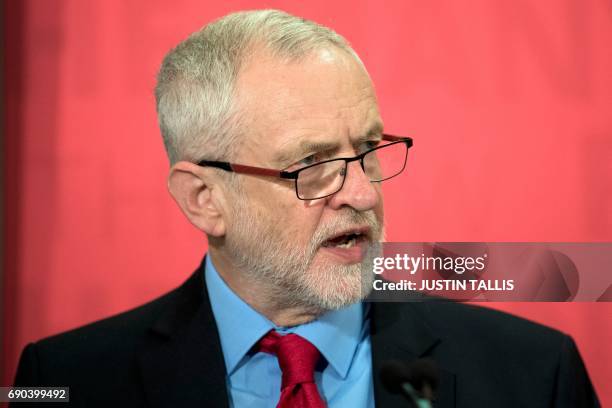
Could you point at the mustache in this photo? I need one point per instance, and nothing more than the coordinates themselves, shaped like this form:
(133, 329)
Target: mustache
(348, 218)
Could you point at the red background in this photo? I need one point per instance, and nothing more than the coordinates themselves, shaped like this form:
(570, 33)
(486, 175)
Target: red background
(509, 104)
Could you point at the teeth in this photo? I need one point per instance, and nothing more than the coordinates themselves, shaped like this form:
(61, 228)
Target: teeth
(353, 237)
(347, 244)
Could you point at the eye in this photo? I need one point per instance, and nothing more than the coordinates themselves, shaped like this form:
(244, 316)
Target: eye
(311, 159)
(369, 145)
(305, 162)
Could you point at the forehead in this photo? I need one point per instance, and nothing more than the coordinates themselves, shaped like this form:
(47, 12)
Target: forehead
(326, 97)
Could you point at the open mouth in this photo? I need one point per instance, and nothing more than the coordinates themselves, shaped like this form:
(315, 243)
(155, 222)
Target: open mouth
(349, 246)
(346, 240)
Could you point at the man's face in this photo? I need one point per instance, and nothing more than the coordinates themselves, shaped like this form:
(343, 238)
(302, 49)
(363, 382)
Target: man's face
(306, 253)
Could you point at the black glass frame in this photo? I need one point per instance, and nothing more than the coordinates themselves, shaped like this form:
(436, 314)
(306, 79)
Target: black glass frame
(293, 175)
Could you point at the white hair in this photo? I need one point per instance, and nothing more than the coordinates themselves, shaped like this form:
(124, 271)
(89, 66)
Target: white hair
(195, 84)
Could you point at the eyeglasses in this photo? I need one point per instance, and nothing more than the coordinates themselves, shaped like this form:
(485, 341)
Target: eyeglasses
(326, 178)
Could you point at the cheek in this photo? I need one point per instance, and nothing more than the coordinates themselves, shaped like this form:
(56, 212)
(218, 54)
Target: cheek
(303, 221)
(296, 220)
(271, 198)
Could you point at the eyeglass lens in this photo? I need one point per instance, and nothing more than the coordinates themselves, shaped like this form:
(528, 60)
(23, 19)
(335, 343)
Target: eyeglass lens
(327, 178)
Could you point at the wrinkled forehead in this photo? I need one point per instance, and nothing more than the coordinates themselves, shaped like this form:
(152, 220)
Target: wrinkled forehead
(326, 97)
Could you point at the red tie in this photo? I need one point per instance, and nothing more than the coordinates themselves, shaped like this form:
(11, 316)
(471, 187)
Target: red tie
(297, 358)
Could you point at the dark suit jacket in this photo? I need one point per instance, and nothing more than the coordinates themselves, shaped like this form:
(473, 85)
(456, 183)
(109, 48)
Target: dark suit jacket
(167, 354)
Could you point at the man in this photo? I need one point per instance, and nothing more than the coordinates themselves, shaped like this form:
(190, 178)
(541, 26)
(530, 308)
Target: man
(277, 151)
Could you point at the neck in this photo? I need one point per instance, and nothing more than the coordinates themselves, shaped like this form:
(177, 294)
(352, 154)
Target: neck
(258, 295)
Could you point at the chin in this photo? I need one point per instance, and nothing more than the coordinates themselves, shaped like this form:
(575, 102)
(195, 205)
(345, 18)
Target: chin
(333, 285)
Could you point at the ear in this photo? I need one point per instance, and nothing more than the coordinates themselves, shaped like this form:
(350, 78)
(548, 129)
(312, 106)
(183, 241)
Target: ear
(195, 191)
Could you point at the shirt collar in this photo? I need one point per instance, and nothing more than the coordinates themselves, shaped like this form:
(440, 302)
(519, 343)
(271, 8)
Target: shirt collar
(240, 326)
(336, 334)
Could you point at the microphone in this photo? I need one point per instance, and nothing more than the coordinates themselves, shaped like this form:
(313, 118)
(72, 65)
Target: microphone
(417, 381)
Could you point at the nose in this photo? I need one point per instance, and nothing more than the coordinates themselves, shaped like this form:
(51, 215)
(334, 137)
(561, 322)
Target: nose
(357, 192)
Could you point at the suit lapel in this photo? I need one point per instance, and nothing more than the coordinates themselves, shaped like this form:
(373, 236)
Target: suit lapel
(181, 362)
(399, 332)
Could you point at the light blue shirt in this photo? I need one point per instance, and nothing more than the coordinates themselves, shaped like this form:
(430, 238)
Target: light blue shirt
(254, 379)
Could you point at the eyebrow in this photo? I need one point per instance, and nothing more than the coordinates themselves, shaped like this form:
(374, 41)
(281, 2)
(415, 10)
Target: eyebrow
(285, 156)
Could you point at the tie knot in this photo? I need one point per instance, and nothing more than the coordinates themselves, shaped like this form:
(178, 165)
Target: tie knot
(297, 357)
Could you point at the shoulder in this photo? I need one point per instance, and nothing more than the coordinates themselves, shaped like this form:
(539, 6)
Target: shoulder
(106, 348)
(489, 330)
(502, 352)
(119, 331)
(475, 340)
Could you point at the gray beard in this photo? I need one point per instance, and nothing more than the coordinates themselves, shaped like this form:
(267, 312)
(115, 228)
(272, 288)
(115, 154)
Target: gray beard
(284, 274)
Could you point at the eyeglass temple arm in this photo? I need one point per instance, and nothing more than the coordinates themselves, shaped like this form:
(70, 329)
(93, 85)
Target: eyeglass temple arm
(241, 168)
(391, 138)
